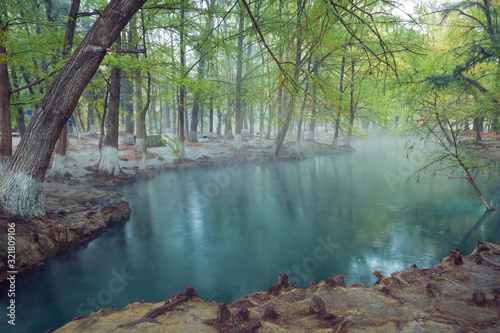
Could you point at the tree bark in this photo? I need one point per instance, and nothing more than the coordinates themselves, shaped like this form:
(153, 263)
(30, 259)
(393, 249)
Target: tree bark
(339, 108)
(6, 123)
(22, 183)
(109, 162)
(59, 163)
(238, 145)
(182, 88)
(280, 136)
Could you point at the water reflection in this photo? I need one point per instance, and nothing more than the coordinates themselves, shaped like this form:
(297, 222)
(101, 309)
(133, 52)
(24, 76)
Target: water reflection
(230, 232)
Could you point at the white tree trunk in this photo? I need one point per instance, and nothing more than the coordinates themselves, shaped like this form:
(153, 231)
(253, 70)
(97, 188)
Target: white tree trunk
(238, 145)
(4, 163)
(142, 165)
(22, 195)
(310, 135)
(182, 151)
(109, 162)
(139, 145)
(92, 130)
(58, 164)
(193, 136)
(211, 135)
(129, 139)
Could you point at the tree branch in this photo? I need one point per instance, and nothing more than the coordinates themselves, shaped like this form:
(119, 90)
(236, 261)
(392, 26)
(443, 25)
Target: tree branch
(125, 51)
(33, 83)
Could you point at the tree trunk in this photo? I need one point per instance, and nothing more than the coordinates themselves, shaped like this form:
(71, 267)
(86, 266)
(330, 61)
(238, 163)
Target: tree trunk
(6, 124)
(182, 89)
(109, 162)
(59, 163)
(238, 145)
(211, 120)
(352, 108)
(339, 108)
(22, 183)
(219, 123)
(128, 91)
(280, 136)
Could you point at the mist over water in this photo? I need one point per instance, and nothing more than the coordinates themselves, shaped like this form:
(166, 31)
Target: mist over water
(232, 231)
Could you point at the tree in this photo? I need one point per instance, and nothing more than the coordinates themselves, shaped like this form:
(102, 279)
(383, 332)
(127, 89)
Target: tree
(22, 183)
(109, 162)
(58, 164)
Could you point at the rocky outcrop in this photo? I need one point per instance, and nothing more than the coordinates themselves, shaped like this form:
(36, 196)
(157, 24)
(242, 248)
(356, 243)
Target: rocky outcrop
(79, 221)
(460, 294)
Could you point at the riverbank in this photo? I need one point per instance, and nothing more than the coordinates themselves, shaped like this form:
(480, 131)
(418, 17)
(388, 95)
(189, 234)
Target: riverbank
(459, 294)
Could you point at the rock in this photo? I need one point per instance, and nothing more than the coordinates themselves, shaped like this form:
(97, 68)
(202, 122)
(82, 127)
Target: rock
(479, 297)
(161, 159)
(336, 281)
(317, 306)
(270, 314)
(190, 292)
(223, 313)
(77, 318)
(454, 257)
(274, 289)
(67, 174)
(284, 282)
(240, 316)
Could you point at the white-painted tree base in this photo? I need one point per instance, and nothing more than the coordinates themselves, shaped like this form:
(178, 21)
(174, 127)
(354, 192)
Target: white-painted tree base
(4, 163)
(193, 136)
(182, 151)
(310, 136)
(139, 145)
(109, 162)
(211, 135)
(92, 130)
(58, 164)
(297, 147)
(21, 195)
(142, 165)
(129, 139)
(238, 145)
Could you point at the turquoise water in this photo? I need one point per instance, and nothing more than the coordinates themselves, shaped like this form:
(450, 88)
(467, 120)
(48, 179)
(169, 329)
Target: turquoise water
(232, 231)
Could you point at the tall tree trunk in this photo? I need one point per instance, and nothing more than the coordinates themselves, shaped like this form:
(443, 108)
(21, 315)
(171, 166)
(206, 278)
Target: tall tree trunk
(109, 162)
(5, 127)
(22, 183)
(128, 90)
(238, 145)
(21, 125)
(352, 108)
(59, 162)
(196, 103)
(6, 124)
(219, 123)
(211, 120)
(280, 136)
(182, 88)
(339, 108)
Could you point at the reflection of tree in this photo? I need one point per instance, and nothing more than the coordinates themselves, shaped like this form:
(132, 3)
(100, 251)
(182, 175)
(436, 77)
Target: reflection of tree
(478, 223)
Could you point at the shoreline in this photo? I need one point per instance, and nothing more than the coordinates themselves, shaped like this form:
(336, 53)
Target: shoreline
(460, 293)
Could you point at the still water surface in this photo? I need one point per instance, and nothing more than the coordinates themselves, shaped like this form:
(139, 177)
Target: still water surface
(232, 231)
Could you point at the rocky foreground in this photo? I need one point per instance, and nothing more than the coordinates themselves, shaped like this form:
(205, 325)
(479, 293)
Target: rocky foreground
(461, 294)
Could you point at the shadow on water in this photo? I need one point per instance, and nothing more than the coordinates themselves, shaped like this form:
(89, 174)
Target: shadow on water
(477, 225)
